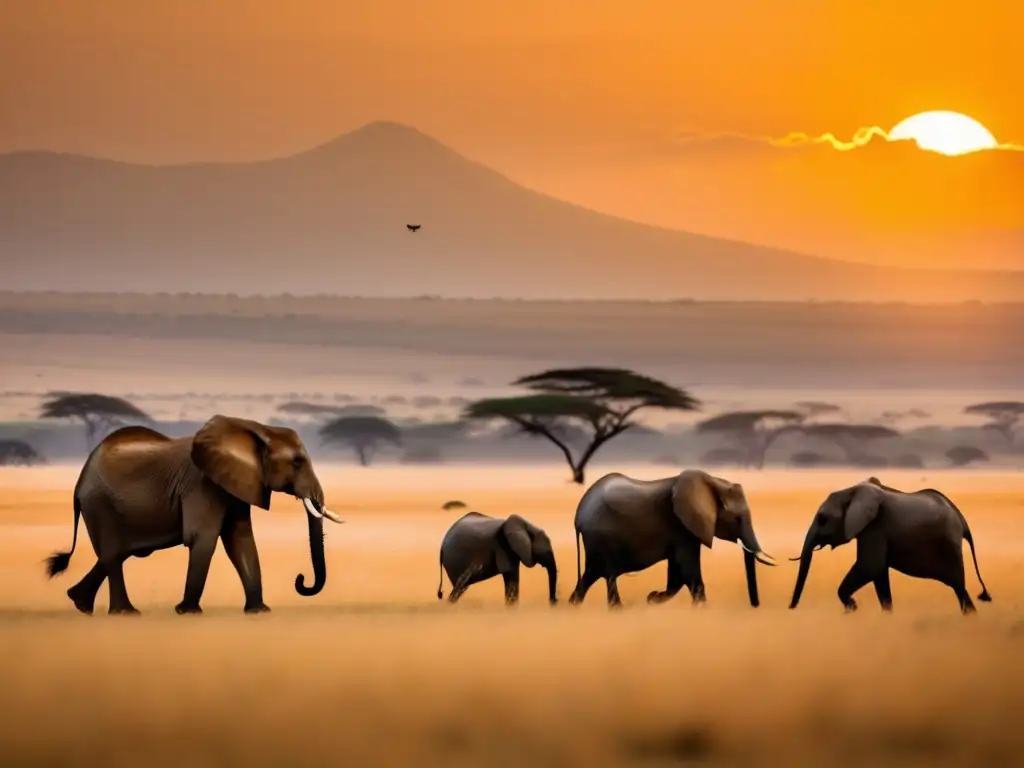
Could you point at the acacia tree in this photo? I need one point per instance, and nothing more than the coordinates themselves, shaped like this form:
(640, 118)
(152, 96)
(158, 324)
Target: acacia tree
(850, 437)
(962, 455)
(99, 413)
(1004, 416)
(754, 431)
(19, 452)
(364, 434)
(598, 403)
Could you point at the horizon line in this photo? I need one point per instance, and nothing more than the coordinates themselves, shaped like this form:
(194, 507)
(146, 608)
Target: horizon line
(286, 296)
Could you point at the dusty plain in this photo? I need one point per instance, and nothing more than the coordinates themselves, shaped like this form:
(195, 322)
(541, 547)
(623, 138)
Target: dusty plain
(376, 671)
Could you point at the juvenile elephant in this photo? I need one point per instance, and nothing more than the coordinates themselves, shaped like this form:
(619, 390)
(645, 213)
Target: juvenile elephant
(478, 547)
(140, 491)
(918, 533)
(628, 525)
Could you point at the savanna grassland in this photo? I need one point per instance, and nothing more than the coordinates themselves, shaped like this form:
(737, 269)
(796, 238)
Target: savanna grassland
(376, 671)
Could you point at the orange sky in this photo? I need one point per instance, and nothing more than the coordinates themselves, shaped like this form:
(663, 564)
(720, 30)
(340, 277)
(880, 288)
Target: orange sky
(582, 98)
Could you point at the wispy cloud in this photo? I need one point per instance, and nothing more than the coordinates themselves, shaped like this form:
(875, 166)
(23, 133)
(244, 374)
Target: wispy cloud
(861, 138)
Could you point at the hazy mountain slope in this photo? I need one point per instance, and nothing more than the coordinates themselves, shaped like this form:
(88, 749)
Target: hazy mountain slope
(332, 220)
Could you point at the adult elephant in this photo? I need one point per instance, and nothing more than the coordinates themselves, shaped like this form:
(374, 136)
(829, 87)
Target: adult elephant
(918, 533)
(479, 547)
(140, 491)
(628, 525)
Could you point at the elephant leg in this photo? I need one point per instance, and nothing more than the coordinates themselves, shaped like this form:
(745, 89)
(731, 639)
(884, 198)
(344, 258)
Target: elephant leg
(966, 604)
(857, 577)
(457, 592)
(676, 581)
(240, 546)
(694, 577)
(463, 582)
(614, 601)
(511, 587)
(119, 602)
(587, 580)
(884, 590)
(871, 565)
(83, 594)
(200, 553)
(955, 578)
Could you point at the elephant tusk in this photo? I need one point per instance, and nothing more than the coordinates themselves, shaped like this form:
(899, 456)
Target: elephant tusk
(332, 517)
(813, 550)
(760, 556)
(311, 508)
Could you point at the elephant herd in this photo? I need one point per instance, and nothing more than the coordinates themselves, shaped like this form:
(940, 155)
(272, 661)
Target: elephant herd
(140, 491)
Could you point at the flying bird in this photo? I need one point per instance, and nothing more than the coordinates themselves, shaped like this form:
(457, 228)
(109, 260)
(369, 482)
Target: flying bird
(413, 227)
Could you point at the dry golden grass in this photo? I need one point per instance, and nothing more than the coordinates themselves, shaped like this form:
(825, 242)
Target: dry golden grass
(375, 671)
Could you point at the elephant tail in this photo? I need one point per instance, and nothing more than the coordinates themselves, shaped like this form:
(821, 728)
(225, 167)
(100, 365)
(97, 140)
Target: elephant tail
(58, 562)
(440, 575)
(985, 597)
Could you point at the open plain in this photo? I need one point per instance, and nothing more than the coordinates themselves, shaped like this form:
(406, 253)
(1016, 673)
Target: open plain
(376, 671)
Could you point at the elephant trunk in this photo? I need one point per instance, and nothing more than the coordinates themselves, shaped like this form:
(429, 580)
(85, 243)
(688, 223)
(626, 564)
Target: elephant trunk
(316, 553)
(805, 566)
(749, 542)
(748, 563)
(552, 582)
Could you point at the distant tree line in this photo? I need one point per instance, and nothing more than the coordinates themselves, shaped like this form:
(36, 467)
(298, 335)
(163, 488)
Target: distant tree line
(577, 411)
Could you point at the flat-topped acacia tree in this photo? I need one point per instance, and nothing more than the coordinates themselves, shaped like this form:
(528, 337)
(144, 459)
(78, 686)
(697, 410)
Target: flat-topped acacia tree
(852, 438)
(597, 402)
(99, 413)
(1004, 416)
(753, 431)
(19, 452)
(363, 434)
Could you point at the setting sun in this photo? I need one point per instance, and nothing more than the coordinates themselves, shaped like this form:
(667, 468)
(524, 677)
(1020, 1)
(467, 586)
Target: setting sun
(948, 133)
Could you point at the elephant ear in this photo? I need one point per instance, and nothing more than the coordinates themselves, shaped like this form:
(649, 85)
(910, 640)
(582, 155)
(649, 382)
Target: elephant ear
(517, 534)
(862, 509)
(695, 502)
(232, 453)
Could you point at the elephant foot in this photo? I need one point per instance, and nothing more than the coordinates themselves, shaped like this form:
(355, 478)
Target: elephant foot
(850, 606)
(260, 607)
(887, 607)
(130, 610)
(83, 605)
(616, 606)
(182, 608)
(967, 610)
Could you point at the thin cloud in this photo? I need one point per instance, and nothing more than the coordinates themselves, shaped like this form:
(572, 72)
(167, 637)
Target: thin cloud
(862, 137)
(795, 139)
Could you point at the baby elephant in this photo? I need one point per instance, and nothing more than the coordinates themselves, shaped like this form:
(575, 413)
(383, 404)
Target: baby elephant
(919, 533)
(478, 547)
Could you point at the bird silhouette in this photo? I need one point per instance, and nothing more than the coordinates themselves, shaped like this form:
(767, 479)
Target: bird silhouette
(412, 227)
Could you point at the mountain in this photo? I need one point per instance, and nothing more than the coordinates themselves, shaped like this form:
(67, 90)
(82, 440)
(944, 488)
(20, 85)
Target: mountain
(332, 220)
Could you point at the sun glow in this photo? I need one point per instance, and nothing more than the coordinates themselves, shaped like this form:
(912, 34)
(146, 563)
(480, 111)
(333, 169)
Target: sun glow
(948, 133)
